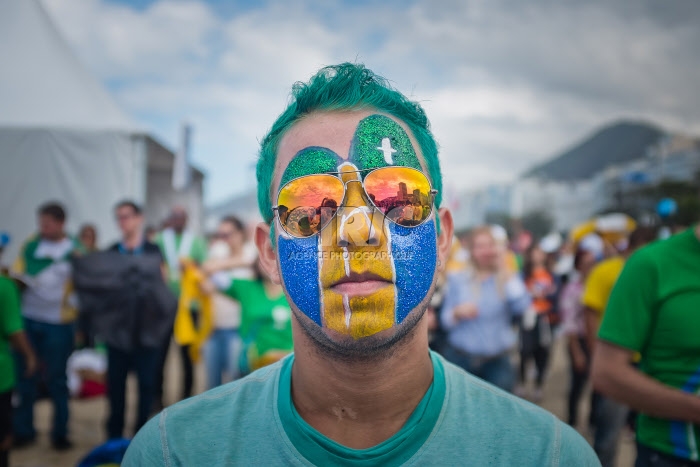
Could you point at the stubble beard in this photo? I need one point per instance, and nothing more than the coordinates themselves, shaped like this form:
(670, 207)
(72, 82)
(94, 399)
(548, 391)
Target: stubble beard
(381, 346)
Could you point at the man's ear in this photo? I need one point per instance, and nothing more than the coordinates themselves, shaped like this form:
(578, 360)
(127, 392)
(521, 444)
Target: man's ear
(267, 254)
(444, 241)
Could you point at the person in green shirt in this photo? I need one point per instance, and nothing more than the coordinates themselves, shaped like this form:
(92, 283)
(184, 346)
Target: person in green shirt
(654, 309)
(607, 415)
(48, 304)
(266, 319)
(176, 243)
(362, 387)
(11, 334)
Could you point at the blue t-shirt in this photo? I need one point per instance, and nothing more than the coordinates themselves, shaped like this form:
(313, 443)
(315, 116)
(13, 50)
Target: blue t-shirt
(460, 421)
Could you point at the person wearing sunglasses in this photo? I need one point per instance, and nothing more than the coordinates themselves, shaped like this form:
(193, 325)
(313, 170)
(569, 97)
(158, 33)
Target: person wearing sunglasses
(362, 387)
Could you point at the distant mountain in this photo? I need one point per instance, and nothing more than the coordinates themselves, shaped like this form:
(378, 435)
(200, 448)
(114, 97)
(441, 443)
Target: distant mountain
(620, 142)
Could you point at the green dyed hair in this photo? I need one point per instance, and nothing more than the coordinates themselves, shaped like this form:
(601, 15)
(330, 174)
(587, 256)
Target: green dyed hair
(348, 86)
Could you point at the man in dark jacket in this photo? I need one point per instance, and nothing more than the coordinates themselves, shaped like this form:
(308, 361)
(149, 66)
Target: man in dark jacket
(133, 312)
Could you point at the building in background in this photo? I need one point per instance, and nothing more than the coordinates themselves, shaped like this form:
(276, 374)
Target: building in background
(63, 138)
(619, 168)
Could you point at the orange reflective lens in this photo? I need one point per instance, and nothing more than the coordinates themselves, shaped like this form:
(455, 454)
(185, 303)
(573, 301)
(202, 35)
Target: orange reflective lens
(305, 205)
(401, 193)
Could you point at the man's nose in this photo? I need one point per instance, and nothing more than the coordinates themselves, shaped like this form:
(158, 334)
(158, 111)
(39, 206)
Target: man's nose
(356, 226)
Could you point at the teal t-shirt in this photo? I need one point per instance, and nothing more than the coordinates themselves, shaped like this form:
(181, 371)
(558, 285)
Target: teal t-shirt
(244, 423)
(654, 309)
(321, 450)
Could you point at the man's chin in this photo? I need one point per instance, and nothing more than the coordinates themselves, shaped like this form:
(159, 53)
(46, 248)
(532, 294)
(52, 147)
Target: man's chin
(379, 345)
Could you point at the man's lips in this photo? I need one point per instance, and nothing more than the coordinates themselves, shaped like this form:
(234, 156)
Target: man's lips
(360, 284)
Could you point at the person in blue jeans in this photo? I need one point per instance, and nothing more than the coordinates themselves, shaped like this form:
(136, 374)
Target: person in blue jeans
(229, 257)
(480, 304)
(43, 267)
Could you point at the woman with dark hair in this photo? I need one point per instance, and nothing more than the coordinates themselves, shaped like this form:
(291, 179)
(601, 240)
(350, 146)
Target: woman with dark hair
(574, 328)
(266, 318)
(85, 336)
(535, 330)
(88, 238)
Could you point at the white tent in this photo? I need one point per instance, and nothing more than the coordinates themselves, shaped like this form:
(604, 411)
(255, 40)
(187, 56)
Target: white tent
(63, 138)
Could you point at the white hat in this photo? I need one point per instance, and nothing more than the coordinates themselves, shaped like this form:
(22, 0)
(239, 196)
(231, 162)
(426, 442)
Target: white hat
(499, 233)
(551, 243)
(592, 243)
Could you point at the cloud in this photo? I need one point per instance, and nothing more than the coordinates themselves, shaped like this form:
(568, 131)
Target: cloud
(505, 84)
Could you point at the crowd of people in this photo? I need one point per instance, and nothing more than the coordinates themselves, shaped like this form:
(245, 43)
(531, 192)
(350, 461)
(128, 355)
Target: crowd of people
(497, 299)
(81, 319)
(502, 298)
(352, 381)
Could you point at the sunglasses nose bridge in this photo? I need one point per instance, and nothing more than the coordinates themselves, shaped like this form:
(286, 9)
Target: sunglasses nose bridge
(355, 194)
(357, 227)
(356, 219)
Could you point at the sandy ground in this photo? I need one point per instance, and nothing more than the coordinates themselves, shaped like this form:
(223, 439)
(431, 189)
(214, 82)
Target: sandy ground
(88, 416)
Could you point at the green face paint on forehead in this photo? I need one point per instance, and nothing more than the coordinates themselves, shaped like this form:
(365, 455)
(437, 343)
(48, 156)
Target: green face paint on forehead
(380, 142)
(309, 161)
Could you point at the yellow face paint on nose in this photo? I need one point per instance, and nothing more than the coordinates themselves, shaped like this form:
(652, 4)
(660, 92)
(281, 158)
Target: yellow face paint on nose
(356, 244)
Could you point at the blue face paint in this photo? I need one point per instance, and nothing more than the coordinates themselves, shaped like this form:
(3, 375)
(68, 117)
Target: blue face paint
(414, 251)
(298, 259)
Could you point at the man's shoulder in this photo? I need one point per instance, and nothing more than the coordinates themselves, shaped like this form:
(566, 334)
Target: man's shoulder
(151, 248)
(212, 428)
(30, 243)
(468, 391)
(663, 251)
(509, 428)
(239, 398)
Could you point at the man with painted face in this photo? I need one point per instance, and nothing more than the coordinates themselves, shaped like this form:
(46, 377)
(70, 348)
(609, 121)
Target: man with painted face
(362, 387)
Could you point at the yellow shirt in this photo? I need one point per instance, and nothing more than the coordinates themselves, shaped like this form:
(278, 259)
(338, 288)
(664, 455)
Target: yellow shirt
(600, 283)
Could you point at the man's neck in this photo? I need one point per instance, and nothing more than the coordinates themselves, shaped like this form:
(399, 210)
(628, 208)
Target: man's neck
(133, 240)
(360, 404)
(57, 238)
(697, 231)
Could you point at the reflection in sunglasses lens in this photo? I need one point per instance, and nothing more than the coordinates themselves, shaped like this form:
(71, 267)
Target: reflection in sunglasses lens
(401, 193)
(307, 204)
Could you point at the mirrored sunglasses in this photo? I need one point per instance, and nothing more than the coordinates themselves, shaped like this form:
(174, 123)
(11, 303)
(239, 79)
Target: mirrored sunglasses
(307, 204)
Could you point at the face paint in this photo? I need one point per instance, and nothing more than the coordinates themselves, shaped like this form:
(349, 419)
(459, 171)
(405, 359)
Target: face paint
(380, 142)
(309, 161)
(361, 274)
(298, 259)
(411, 247)
(356, 245)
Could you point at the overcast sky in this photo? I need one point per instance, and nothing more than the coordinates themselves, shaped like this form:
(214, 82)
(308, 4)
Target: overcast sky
(505, 83)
